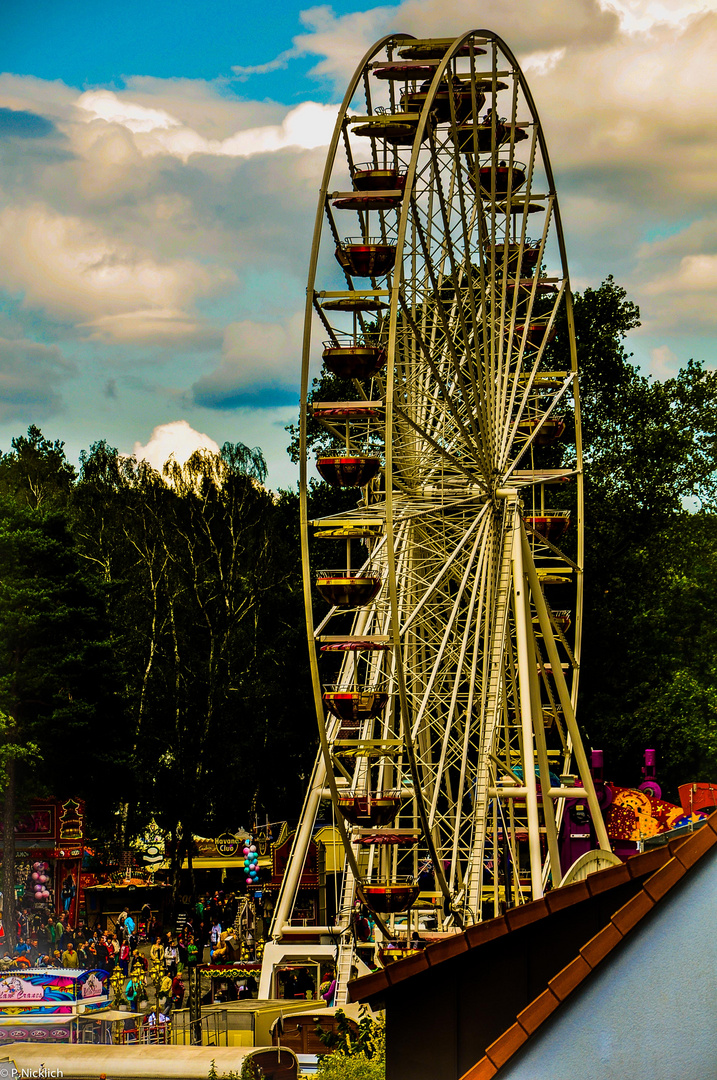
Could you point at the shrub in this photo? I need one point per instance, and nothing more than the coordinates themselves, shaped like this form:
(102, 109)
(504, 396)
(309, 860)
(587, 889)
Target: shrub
(355, 1056)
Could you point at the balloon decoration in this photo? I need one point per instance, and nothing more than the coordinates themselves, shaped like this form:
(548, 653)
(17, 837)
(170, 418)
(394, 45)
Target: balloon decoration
(40, 878)
(251, 863)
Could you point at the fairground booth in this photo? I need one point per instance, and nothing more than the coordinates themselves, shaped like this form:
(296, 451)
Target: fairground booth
(49, 849)
(51, 1006)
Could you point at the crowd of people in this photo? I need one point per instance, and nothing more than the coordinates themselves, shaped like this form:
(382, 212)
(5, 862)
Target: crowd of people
(136, 947)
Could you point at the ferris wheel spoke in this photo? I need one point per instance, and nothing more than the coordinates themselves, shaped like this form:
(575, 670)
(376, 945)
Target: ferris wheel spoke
(545, 415)
(445, 321)
(477, 595)
(446, 398)
(447, 633)
(442, 450)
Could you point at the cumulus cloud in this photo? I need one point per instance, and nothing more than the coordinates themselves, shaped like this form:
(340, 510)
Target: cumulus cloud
(48, 98)
(156, 131)
(175, 439)
(73, 270)
(340, 40)
(254, 355)
(678, 280)
(30, 375)
(640, 15)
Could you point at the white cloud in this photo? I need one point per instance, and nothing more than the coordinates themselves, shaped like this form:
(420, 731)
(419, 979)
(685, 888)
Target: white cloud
(695, 273)
(155, 131)
(152, 327)
(74, 270)
(105, 105)
(677, 279)
(277, 64)
(175, 439)
(640, 15)
(540, 27)
(542, 63)
(51, 98)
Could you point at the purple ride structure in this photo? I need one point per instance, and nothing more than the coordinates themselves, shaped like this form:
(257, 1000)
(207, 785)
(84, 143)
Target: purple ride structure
(445, 662)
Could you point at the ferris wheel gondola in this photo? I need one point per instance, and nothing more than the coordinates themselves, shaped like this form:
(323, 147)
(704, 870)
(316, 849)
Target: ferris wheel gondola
(454, 629)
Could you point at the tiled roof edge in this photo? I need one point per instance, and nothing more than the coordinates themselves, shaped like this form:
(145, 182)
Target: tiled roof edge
(684, 856)
(481, 933)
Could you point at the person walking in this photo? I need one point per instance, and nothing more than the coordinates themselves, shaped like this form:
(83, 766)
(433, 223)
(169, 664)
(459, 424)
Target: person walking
(157, 951)
(114, 946)
(120, 920)
(165, 994)
(170, 956)
(139, 960)
(68, 893)
(129, 929)
(177, 992)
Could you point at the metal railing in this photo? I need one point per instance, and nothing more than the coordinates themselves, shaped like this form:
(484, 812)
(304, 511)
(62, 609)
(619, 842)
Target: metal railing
(212, 1024)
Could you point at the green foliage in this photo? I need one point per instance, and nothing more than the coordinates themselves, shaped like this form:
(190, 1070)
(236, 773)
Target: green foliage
(249, 1071)
(35, 472)
(648, 673)
(56, 665)
(355, 1055)
(359, 1067)
(205, 598)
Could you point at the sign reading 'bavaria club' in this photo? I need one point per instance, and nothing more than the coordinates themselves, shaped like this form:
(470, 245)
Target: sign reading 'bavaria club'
(227, 844)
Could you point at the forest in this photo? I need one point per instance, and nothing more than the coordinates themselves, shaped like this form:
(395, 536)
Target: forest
(153, 656)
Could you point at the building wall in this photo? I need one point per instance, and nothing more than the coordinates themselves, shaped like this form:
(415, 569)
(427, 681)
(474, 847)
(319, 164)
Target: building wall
(650, 1010)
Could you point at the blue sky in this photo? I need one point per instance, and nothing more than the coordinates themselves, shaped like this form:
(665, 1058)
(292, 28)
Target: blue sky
(89, 44)
(156, 198)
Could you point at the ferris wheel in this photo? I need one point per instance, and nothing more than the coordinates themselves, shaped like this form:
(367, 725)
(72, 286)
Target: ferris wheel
(445, 637)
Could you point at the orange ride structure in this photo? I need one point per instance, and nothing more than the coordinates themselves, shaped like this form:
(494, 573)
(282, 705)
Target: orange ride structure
(445, 634)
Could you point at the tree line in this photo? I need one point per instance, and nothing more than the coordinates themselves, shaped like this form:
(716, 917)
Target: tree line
(153, 656)
(152, 653)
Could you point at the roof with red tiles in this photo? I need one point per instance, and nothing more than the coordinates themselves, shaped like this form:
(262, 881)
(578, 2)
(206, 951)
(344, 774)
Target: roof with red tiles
(655, 872)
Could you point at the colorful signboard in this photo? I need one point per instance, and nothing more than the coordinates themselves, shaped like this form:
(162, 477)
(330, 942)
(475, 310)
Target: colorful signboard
(49, 992)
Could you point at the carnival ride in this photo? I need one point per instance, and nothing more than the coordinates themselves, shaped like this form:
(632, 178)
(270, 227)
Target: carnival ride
(445, 670)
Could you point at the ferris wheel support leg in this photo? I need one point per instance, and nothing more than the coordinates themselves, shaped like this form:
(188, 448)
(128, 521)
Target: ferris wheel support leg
(581, 759)
(541, 747)
(526, 711)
